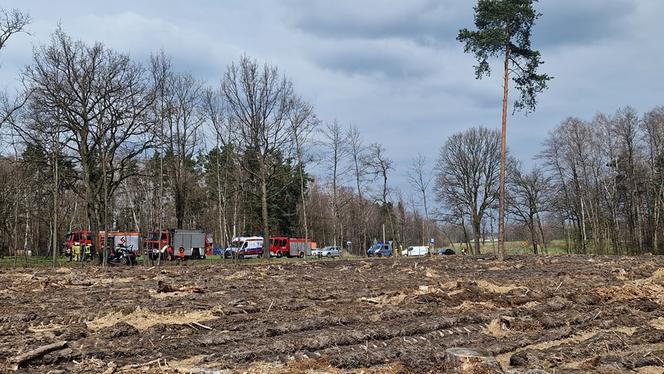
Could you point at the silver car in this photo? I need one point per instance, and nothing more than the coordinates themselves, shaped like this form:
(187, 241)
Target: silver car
(329, 251)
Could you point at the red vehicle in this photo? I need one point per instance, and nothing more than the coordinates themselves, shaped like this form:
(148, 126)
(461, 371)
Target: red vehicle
(83, 237)
(153, 244)
(283, 246)
(192, 242)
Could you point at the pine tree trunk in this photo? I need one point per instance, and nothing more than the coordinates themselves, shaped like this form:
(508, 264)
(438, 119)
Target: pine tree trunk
(54, 234)
(266, 222)
(304, 202)
(503, 161)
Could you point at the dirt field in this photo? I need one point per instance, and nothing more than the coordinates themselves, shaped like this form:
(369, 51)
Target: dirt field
(559, 314)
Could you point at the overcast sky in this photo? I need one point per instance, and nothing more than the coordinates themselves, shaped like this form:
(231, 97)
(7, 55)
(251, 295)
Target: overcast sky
(392, 68)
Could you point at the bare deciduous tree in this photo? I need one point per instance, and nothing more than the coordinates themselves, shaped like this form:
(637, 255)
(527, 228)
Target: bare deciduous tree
(467, 174)
(379, 166)
(259, 99)
(357, 155)
(303, 121)
(336, 150)
(182, 118)
(420, 177)
(12, 22)
(101, 100)
(527, 200)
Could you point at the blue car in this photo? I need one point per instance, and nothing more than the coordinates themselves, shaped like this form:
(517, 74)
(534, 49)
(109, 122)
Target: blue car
(380, 250)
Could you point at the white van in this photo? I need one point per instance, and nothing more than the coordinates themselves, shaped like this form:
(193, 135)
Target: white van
(245, 246)
(421, 250)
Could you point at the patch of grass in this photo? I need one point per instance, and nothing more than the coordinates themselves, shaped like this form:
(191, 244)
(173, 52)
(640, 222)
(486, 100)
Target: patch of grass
(520, 247)
(30, 261)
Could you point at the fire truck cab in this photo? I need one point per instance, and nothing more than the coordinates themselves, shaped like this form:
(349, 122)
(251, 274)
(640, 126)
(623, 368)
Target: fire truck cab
(82, 237)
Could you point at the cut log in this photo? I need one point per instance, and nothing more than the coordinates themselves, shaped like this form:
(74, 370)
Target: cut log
(470, 361)
(165, 287)
(21, 359)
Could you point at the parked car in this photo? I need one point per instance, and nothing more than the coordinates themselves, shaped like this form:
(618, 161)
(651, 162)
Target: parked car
(374, 248)
(416, 251)
(445, 251)
(329, 251)
(380, 250)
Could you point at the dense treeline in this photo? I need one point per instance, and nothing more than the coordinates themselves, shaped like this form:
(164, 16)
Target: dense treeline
(102, 142)
(598, 185)
(606, 181)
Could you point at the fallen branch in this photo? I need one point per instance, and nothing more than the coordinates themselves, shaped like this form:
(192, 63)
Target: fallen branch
(202, 326)
(370, 300)
(561, 283)
(21, 359)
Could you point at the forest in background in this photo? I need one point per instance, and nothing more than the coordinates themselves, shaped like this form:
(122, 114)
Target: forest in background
(97, 140)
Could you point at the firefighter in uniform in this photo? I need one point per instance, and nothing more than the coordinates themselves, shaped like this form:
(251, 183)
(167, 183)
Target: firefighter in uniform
(76, 248)
(87, 252)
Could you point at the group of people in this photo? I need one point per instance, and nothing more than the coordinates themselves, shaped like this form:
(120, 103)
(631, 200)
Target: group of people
(169, 253)
(79, 252)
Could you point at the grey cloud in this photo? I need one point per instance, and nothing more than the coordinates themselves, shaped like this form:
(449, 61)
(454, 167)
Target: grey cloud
(427, 22)
(391, 60)
(392, 67)
(582, 22)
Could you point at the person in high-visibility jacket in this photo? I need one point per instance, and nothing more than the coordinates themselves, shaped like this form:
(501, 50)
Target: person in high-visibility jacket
(87, 252)
(76, 248)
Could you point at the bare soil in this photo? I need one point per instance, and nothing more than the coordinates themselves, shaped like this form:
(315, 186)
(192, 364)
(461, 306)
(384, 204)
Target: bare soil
(558, 314)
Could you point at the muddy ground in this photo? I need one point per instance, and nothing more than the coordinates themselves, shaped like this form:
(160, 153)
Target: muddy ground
(559, 314)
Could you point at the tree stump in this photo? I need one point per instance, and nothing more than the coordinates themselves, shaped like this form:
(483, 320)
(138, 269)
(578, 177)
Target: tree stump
(470, 361)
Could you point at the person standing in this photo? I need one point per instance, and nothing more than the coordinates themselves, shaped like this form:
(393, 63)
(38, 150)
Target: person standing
(87, 252)
(76, 248)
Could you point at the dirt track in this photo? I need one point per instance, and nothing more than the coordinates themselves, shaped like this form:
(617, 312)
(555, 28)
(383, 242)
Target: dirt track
(560, 314)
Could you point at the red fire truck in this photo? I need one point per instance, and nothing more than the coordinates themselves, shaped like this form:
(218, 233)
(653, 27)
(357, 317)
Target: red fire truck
(191, 242)
(82, 237)
(290, 247)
